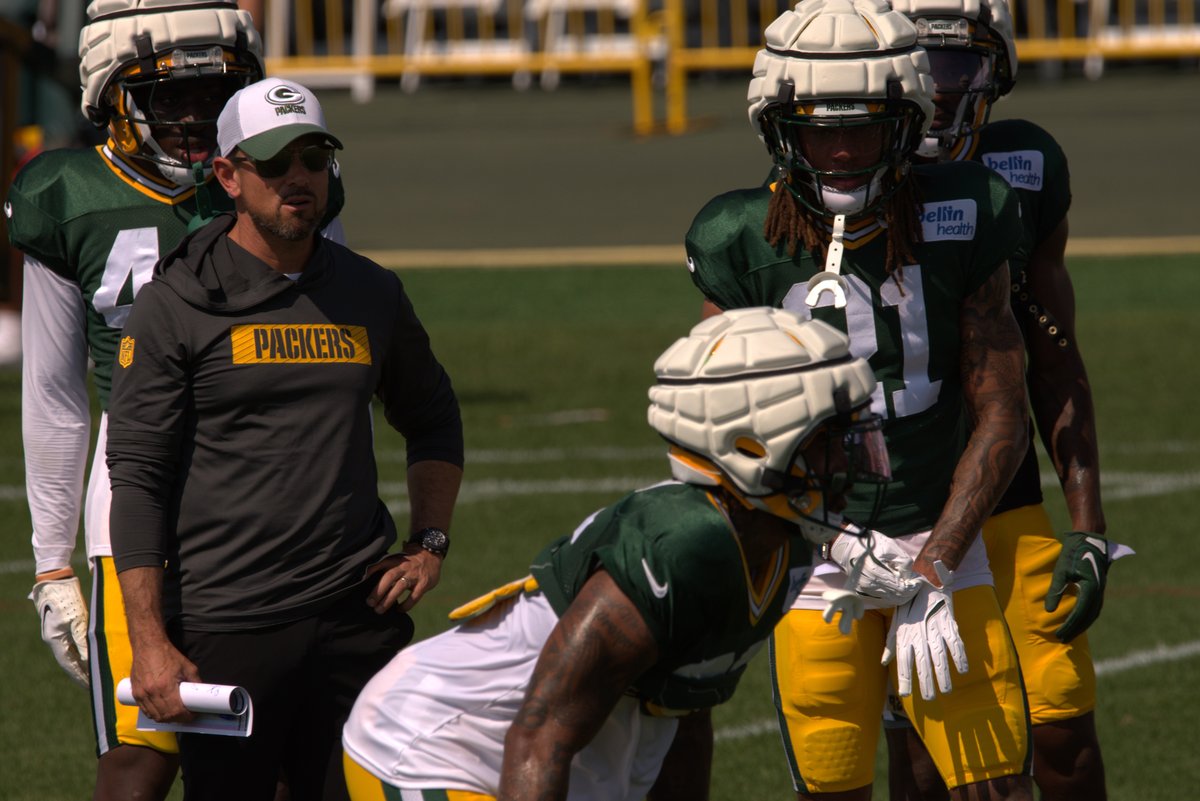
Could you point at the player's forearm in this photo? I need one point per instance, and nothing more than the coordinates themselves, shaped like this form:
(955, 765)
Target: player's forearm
(536, 768)
(993, 379)
(988, 464)
(1061, 398)
(599, 646)
(1059, 392)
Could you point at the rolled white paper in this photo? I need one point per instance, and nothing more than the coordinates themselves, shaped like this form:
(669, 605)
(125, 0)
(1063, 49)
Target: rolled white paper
(218, 699)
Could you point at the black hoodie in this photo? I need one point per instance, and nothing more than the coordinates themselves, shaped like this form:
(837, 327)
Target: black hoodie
(239, 432)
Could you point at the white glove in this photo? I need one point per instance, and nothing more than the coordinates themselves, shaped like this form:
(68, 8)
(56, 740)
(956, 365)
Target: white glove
(875, 566)
(924, 630)
(849, 604)
(64, 616)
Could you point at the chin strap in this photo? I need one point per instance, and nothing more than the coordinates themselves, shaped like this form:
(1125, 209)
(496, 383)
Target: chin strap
(830, 279)
(204, 210)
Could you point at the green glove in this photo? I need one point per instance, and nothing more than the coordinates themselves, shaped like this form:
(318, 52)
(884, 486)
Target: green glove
(1083, 562)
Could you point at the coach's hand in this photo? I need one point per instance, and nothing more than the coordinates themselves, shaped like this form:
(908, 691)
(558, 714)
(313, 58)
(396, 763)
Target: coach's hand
(404, 578)
(1083, 562)
(64, 617)
(158, 668)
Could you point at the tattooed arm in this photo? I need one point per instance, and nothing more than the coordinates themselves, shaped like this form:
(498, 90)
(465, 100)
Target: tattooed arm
(991, 364)
(1059, 391)
(599, 647)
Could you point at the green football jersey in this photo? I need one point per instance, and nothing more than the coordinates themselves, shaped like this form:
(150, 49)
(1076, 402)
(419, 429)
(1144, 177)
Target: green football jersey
(1033, 164)
(908, 329)
(102, 223)
(674, 553)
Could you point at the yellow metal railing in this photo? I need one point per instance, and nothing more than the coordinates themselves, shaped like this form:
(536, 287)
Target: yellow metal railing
(313, 41)
(710, 35)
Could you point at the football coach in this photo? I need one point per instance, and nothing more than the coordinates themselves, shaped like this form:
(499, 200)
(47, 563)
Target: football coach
(240, 453)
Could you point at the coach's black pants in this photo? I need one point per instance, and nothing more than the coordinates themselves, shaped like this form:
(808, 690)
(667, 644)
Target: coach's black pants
(303, 678)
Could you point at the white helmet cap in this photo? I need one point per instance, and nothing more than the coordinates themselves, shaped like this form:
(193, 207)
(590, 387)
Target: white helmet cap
(994, 21)
(839, 49)
(144, 40)
(855, 59)
(745, 391)
(949, 30)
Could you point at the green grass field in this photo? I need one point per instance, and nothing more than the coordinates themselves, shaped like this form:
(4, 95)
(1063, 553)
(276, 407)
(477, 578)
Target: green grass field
(552, 367)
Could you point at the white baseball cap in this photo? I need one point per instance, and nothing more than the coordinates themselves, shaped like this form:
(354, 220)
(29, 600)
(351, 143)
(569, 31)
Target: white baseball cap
(265, 117)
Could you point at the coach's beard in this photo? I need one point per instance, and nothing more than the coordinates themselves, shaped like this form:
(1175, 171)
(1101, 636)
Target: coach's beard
(290, 229)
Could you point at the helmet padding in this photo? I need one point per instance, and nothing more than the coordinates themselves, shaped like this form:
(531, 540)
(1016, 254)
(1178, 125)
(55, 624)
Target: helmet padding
(746, 389)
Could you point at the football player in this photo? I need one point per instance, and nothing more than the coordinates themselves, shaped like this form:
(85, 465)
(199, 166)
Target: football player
(912, 263)
(973, 60)
(91, 224)
(592, 678)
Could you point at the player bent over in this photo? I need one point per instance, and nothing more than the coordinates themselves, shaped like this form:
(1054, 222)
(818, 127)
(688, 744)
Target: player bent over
(576, 681)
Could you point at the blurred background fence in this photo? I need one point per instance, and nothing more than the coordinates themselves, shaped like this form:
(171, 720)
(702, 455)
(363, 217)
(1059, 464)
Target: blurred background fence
(655, 44)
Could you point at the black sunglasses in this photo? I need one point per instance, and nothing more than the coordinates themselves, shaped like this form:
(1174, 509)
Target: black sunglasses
(315, 158)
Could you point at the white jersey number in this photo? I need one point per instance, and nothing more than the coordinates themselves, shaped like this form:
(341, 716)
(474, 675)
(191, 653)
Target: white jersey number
(134, 252)
(919, 392)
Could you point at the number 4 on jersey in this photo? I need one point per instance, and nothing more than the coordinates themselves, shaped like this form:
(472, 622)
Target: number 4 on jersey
(129, 266)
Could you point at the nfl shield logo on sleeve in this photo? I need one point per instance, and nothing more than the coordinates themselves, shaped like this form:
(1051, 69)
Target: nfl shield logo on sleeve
(125, 355)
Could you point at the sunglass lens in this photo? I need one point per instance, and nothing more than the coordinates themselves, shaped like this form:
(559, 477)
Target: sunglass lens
(275, 166)
(316, 158)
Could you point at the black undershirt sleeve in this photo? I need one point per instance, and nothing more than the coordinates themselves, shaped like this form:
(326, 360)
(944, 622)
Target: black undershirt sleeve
(416, 392)
(146, 415)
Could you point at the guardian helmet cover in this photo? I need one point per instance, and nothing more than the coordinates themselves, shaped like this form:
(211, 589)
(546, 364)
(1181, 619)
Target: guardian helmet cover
(773, 409)
(158, 72)
(973, 59)
(841, 96)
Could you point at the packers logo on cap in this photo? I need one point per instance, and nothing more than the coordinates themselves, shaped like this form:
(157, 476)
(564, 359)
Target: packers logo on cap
(284, 96)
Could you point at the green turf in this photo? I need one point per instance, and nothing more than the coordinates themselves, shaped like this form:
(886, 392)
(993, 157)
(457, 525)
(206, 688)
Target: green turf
(523, 345)
(469, 166)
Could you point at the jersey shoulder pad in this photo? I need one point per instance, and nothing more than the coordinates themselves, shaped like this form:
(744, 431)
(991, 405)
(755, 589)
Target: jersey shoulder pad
(43, 198)
(724, 218)
(1027, 156)
(965, 202)
(962, 181)
(1017, 133)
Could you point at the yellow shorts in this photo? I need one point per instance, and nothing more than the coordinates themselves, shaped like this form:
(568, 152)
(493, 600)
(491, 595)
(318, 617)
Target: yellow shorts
(111, 659)
(363, 786)
(830, 691)
(1060, 679)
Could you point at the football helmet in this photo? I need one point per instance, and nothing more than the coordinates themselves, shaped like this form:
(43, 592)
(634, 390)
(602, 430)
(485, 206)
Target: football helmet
(973, 59)
(772, 408)
(158, 72)
(849, 69)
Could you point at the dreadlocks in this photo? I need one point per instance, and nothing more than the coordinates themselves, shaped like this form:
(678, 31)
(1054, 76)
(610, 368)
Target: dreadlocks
(791, 223)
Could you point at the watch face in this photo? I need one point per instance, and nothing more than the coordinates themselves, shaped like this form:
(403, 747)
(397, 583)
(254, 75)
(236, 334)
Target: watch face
(435, 540)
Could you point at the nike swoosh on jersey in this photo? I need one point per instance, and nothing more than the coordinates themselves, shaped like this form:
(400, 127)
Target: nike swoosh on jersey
(659, 590)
